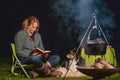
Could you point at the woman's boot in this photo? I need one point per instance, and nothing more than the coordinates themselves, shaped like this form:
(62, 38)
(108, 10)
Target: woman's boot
(33, 74)
(45, 70)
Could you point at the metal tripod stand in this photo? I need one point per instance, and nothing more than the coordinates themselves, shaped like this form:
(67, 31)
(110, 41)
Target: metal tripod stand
(88, 31)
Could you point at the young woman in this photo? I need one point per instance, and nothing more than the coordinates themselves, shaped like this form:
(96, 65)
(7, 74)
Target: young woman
(26, 40)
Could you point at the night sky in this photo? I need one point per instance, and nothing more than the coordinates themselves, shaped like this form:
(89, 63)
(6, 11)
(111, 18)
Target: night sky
(13, 12)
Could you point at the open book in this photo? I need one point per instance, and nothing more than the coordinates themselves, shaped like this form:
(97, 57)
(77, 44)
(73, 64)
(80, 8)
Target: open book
(40, 51)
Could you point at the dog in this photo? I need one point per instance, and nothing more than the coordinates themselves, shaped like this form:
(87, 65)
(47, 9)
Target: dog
(70, 66)
(73, 60)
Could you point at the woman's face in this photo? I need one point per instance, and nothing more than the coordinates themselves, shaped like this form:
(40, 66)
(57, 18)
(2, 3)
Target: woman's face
(33, 27)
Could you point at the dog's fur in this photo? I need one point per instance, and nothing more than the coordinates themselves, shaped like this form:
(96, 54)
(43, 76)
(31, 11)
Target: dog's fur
(71, 65)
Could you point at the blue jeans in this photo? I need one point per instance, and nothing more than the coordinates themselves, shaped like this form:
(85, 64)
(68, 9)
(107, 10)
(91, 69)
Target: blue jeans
(38, 62)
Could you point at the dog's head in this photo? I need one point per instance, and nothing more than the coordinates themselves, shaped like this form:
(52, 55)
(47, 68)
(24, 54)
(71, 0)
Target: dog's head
(72, 54)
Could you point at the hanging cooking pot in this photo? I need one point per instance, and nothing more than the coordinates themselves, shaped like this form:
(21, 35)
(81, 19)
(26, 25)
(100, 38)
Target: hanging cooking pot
(95, 46)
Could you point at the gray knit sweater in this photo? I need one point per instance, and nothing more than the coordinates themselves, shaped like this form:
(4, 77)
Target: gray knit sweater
(25, 44)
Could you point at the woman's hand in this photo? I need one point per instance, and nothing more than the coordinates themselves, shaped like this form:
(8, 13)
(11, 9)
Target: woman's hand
(37, 54)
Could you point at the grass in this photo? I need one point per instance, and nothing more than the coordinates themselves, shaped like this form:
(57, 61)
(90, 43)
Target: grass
(5, 74)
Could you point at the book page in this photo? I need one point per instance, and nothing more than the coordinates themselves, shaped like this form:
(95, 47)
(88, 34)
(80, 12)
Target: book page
(43, 51)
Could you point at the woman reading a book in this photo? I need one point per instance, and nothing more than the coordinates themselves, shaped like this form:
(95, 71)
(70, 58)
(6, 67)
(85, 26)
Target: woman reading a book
(30, 50)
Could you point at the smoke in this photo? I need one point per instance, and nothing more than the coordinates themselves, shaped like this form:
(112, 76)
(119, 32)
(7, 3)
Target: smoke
(74, 16)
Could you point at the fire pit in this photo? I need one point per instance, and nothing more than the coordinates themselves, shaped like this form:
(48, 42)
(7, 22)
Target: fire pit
(98, 74)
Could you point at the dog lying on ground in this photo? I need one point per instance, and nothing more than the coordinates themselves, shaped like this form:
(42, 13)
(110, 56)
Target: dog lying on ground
(71, 66)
